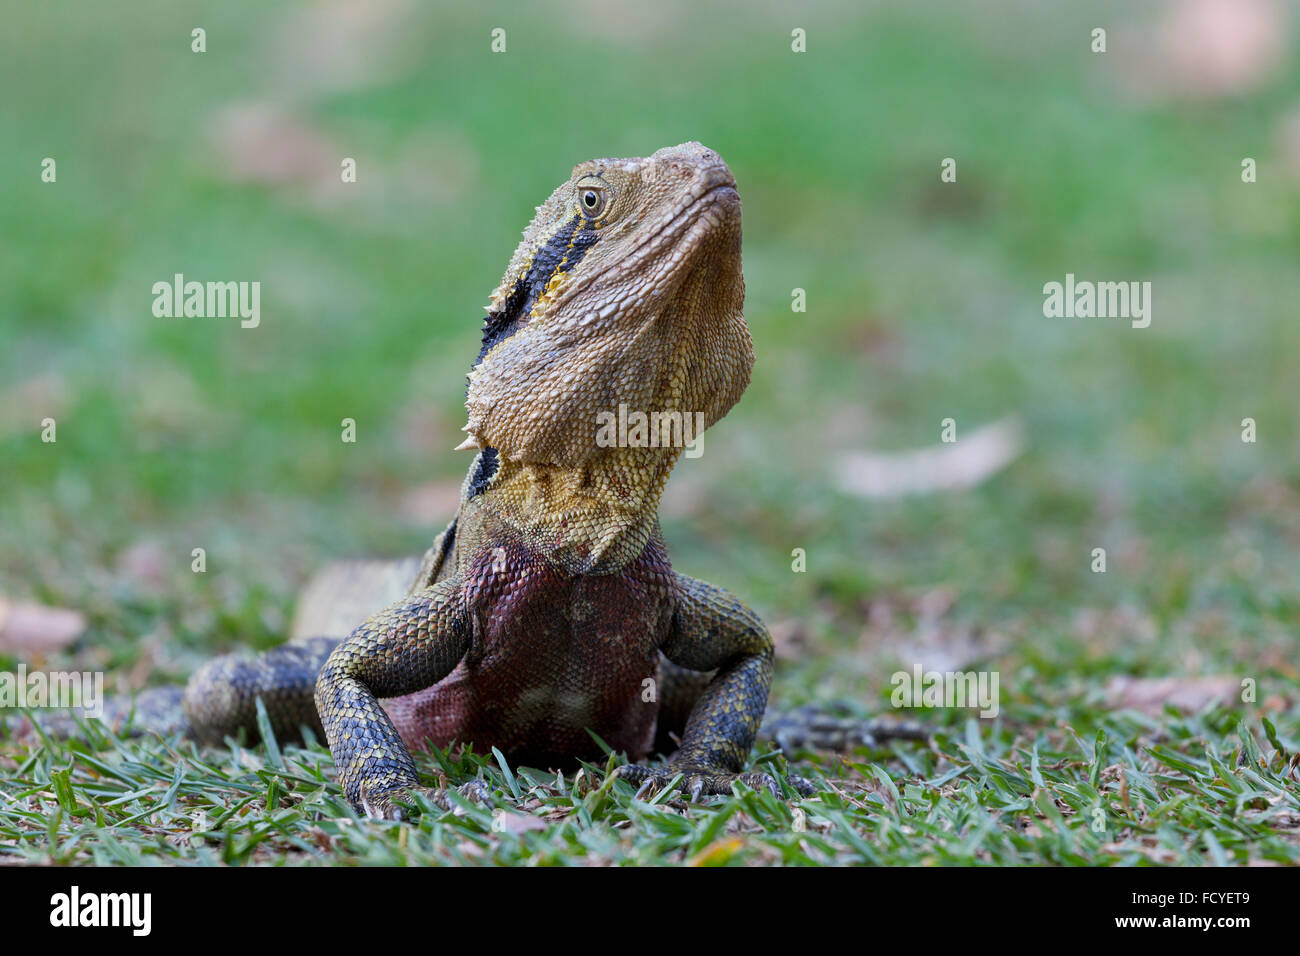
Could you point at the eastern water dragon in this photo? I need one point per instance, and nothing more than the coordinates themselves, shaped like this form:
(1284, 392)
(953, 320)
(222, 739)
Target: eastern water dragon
(547, 611)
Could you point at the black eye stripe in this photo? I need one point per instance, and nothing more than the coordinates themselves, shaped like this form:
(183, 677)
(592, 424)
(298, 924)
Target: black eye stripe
(559, 254)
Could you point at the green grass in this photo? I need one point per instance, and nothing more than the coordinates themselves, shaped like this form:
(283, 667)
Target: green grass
(924, 303)
(1135, 792)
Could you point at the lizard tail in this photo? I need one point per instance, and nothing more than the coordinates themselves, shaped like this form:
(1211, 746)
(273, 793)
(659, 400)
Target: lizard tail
(831, 727)
(219, 701)
(156, 710)
(221, 698)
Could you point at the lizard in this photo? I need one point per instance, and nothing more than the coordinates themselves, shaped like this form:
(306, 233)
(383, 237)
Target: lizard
(548, 611)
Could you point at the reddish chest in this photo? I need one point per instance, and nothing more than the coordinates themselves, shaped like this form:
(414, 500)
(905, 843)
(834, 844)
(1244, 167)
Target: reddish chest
(553, 655)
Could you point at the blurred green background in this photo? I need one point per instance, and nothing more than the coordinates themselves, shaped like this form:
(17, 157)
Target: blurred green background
(924, 302)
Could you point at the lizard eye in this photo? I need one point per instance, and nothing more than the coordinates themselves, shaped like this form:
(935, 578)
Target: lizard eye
(591, 201)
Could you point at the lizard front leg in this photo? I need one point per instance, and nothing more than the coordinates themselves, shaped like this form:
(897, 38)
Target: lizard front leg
(713, 630)
(407, 647)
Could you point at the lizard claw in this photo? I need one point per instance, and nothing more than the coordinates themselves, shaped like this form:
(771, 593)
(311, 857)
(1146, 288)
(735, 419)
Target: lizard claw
(643, 778)
(803, 785)
(761, 781)
(475, 790)
(700, 782)
(399, 803)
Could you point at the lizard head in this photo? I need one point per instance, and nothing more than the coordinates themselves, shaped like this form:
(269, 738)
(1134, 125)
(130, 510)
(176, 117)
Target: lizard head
(626, 290)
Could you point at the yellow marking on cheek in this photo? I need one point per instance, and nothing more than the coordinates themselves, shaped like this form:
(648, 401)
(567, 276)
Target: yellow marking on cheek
(568, 250)
(557, 277)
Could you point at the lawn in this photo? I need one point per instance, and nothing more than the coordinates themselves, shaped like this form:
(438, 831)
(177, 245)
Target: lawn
(1122, 736)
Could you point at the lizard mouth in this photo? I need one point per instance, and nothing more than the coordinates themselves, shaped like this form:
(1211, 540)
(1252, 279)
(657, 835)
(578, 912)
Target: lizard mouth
(722, 194)
(685, 231)
(712, 210)
(718, 191)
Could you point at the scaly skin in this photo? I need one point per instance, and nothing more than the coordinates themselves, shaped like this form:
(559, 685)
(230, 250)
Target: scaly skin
(544, 611)
(548, 610)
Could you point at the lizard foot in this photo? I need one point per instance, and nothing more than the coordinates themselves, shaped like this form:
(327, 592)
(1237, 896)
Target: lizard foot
(699, 782)
(399, 803)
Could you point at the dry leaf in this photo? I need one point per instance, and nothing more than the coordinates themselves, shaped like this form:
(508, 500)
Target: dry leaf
(964, 463)
(1208, 50)
(37, 629)
(504, 822)
(1151, 694)
(344, 593)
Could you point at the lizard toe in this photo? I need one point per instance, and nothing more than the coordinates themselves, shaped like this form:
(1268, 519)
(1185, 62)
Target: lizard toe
(695, 782)
(475, 790)
(804, 786)
(401, 803)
